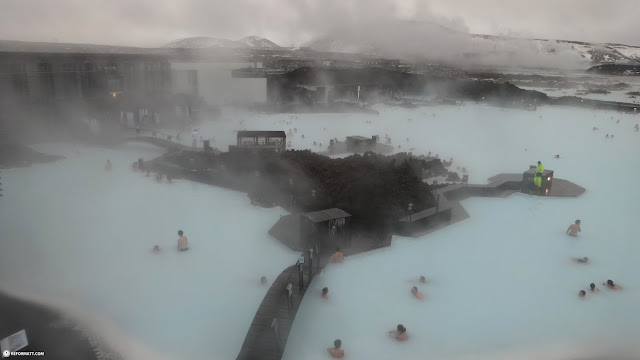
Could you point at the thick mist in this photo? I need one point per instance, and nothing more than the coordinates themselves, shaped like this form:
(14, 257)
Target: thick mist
(217, 87)
(291, 22)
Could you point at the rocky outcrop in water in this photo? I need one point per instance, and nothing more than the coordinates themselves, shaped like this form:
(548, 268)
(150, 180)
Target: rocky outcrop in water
(16, 155)
(375, 189)
(616, 69)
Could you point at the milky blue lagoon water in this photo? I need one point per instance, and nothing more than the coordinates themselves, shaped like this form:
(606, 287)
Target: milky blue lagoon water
(503, 285)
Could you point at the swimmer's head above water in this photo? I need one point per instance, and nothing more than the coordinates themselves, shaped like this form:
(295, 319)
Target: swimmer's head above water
(263, 280)
(180, 233)
(582, 293)
(423, 279)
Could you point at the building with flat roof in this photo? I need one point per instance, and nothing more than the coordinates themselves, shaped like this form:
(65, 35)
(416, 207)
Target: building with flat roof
(260, 141)
(328, 227)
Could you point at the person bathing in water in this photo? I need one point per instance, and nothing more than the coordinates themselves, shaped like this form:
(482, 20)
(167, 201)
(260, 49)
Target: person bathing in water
(582, 293)
(325, 293)
(611, 285)
(183, 242)
(156, 249)
(423, 280)
(593, 288)
(400, 333)
(583, 260)
(574, 229)
(416, 293)
(337, 256)
(263, 280)
(108, 165)
(336, 351)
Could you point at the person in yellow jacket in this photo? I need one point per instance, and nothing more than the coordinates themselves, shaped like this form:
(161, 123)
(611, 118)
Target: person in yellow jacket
(537, 179)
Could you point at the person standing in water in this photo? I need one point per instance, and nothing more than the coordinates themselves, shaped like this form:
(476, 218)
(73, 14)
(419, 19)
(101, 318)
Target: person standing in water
(108, 165)
(194, 138)
(337, 256)
(416, 293)
(574, 229)
(325, 293)
(400, 333)
(537, 179)
(183, 242)
(336, 352)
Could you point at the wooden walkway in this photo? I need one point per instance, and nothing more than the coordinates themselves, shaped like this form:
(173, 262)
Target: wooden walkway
(501, 186)
(167, 144)
(269, 331)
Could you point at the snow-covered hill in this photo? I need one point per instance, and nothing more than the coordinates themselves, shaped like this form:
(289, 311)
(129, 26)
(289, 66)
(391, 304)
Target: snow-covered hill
(595, 52)
(204, 42)
(448, 45)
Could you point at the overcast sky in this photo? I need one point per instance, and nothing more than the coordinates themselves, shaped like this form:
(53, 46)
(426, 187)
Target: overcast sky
(291, 22)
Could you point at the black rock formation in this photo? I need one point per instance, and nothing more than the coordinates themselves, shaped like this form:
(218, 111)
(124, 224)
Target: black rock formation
(615, 69)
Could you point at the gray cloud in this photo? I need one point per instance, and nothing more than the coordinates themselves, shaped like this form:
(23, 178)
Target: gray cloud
(155, 22)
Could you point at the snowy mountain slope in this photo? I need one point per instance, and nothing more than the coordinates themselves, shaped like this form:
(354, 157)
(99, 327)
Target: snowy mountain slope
(257, 42)
(489, 47)
(204, 42)
(201, 42)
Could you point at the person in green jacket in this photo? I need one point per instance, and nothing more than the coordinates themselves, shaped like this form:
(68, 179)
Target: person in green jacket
(537, 179)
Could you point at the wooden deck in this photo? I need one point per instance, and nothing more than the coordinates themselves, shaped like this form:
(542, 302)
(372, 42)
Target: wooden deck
(565, 188)
(269, 331)
(501, 186)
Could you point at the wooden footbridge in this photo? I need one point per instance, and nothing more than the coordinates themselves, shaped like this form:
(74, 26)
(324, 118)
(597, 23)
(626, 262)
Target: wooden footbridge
(269, 331)
(167, 141)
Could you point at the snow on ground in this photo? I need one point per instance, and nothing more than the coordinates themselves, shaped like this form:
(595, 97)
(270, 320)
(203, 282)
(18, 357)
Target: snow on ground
(75, 234)
(628, 51)
(501, 280)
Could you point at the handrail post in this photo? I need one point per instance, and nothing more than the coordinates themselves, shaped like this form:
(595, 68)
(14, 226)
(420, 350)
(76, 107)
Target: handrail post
(289, 290)
(276, 331)
(300, 272)
(310, 264)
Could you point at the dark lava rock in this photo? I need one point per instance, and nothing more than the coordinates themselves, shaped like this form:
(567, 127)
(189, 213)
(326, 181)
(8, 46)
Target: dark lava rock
(16, 155)
(375, 189)
(634, 93)
(597, 91)
(453, 176)
(616, 69)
